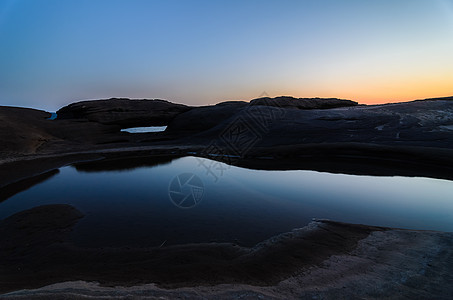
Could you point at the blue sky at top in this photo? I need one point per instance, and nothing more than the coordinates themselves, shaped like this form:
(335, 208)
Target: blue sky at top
(53, 52)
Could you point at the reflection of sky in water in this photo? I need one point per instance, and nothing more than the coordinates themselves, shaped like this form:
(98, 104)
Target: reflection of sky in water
(133, 207)
(145, 129)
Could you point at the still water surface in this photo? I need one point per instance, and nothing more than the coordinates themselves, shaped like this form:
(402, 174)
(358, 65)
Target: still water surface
(151, 205)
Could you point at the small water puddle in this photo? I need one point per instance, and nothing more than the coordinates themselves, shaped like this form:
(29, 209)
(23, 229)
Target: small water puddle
(144, 129)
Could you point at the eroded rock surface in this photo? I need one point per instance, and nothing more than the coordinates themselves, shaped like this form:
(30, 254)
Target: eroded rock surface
(26, 131)
(303, 103)
(427, 123)
(124, 112)
(203, 118)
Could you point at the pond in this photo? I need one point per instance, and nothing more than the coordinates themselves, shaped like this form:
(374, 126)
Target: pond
(145, 129)
(150, 202)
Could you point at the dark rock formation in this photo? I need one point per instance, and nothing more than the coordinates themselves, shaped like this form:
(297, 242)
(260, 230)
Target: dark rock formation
(21, 130)
(303, 103)
(235, 126)
(427, 123)
(205, 117)
(26, 131)
(124, 112)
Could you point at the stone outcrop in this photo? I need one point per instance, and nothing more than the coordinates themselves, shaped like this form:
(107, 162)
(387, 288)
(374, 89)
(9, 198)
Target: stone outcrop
(21, 130)
(26, 131)
(303, 103)
(427, 123)
(124, 112)
(205, 117)
(96, 125)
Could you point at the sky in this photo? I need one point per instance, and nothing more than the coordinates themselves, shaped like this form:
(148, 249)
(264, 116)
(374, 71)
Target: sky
(55, 52)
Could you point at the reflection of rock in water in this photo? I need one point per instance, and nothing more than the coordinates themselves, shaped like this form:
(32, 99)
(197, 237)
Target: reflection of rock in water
(22, 185)
(123, 163)
(324, 259)
(38, 227)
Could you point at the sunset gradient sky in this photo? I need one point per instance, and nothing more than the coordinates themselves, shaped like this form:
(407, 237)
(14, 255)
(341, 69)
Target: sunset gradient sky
(54, 52)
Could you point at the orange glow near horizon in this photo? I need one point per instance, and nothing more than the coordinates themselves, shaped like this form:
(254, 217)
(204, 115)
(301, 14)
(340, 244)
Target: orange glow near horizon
(414, 88)
(382, 91)
(393, 94)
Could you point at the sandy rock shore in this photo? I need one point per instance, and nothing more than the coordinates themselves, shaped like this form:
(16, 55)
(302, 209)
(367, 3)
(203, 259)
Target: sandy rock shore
(324, 260)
